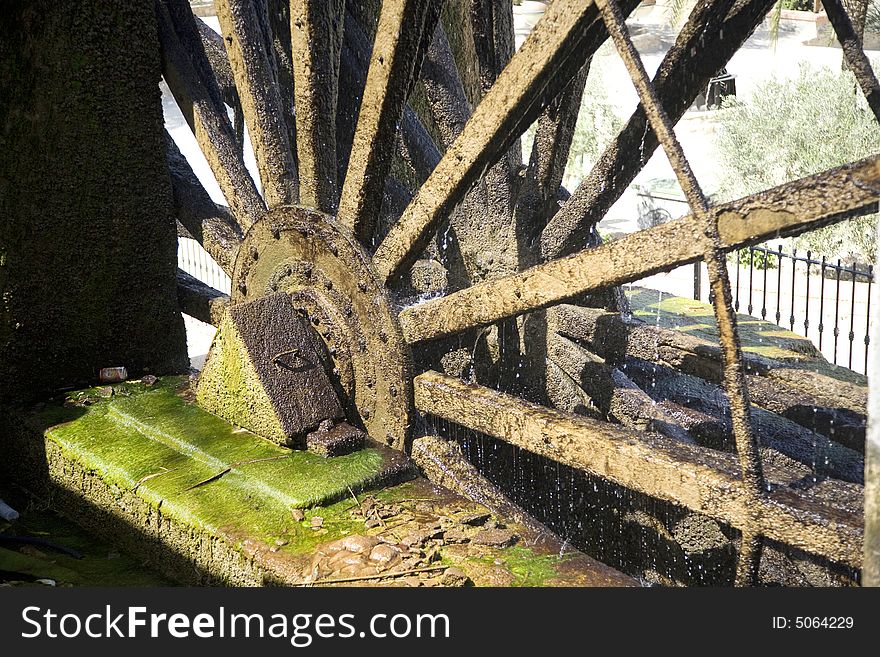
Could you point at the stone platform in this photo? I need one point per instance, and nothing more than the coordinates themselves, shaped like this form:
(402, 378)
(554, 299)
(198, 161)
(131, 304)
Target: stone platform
(205, 502)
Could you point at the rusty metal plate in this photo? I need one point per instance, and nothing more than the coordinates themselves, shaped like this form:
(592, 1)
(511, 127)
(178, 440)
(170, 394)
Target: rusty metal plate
(331, 279)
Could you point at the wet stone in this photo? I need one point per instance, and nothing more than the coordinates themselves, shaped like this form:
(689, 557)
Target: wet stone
(499, 538)
(384, 554)
(344, 558)
(457, 535)
(359, 543)
(455, 577)
(329, 440)
(474, 519)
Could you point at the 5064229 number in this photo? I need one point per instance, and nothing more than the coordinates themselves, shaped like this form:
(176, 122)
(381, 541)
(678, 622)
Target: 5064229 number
(823, 622)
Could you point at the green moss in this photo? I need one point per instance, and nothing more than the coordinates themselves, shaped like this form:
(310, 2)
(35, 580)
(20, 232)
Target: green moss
(230, 387)
(528, 567)
(756, 336)
(200, 469)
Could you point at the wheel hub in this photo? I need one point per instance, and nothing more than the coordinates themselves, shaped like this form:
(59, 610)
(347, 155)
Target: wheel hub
(330, 280)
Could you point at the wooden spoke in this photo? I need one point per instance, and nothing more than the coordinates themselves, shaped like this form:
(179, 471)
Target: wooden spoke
(209, 124)
(734, 376)
(566, 36)
(211, 225)
(200, 301)
(492, 22)
(279, 28)
(416, 146)
(853, 54)
(444, 90)
(553, 138)
(215, 52)
(205, 62)
(611, 391)
(785, 210)
(260, 100)
(392, 68)
(683, 73)
(316, 44)
(705, 481)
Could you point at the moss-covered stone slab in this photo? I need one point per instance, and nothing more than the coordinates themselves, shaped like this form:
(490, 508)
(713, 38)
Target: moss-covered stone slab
(158, 442)
(208, 503)
(267, 372)
(756, 335)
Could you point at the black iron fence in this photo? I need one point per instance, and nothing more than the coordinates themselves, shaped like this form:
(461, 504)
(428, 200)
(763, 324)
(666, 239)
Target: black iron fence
(824, 300)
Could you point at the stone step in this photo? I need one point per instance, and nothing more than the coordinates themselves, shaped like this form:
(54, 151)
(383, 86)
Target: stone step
(208, 503)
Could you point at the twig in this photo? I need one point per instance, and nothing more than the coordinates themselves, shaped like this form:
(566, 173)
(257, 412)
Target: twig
(229, 469)
(362, 578)
(354, 497)
(146, 478)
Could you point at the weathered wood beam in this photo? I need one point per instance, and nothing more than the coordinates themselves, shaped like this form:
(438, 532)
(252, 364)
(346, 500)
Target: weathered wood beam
(260, 101)
(198, 300)
(444, 89)
(789, 209)
(702, 480)
(218, 60)
(819, 455)
(316, 46)
(568, 34)
(549, 157)
(416, 147)
(853, 53)
(710, 37)
(192, 39)
(210, 125)
(210, 224)
(394, 63)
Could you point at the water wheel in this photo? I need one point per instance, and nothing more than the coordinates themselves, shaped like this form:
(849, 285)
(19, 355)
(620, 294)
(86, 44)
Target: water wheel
(395, 208)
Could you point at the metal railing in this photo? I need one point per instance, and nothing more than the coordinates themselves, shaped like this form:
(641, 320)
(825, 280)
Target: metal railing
(196, 262)
(821, 299)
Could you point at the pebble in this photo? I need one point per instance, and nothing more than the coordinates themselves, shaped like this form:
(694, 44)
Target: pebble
(317, 522)
(105, 391)
(298, 515)
(455, 577)
(500, 538)
(281, 542)
(358, 543)
(149, 380)
(474, 519)
(384, 553)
